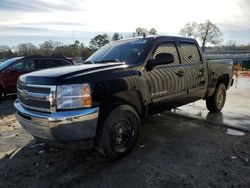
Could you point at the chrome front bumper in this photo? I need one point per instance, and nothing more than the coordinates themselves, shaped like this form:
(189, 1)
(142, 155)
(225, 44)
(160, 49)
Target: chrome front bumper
(66, 126)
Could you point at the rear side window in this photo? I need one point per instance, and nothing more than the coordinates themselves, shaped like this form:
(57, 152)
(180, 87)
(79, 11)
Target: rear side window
(48, 63)
(190, 53)
(41, 64)
(56, 63)
(168, 48)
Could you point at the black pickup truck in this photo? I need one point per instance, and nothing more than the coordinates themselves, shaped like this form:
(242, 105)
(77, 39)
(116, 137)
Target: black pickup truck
(105, 99)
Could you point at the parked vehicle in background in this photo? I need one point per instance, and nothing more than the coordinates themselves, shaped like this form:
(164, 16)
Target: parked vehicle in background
(2, 60)
(123, 82)
(11, 69)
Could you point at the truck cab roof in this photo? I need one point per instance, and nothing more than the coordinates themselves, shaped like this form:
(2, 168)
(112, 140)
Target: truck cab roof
(163, 37)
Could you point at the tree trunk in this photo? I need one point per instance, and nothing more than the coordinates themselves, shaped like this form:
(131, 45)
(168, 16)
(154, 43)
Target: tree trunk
(205, 40)
(203, 45)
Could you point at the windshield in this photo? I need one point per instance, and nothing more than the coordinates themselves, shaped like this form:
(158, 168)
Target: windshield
(8, 62)
(129, 51)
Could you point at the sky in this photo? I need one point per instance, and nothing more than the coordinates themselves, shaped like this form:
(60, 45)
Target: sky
(36, 21)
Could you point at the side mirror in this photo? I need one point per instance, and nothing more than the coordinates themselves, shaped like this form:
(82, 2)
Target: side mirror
(161, 59)
(164, 58)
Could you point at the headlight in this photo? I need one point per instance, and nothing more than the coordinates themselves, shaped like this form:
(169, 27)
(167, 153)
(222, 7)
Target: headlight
(73, 96)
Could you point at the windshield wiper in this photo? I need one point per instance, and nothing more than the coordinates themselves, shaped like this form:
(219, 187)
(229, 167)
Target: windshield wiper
(109, 60)
(88, 62)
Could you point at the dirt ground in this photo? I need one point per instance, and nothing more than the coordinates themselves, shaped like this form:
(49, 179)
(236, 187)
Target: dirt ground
(172, 151)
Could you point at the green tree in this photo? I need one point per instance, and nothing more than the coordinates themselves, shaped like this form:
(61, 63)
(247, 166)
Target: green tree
(140, 32)
(86, 52)
(98, 41)
(47, 48)
(209, 33)
(205, 32)
(25, 49)
(4, 48)
(189, 30)
(5, 52)
(117, 36)
(152, 31)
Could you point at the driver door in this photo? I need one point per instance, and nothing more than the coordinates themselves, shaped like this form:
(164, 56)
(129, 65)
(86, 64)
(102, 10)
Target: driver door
(166, 81)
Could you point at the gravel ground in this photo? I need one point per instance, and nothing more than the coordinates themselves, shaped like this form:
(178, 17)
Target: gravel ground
(172, 151)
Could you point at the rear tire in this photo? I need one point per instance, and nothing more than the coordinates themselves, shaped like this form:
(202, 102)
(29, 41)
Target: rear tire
(119, 132)
(216, 102)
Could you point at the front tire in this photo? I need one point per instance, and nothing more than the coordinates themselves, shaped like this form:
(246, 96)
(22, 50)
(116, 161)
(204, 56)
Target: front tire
(216, 102)
(120, 132)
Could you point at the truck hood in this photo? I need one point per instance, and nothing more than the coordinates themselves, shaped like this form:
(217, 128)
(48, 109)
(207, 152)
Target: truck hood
(56, 76)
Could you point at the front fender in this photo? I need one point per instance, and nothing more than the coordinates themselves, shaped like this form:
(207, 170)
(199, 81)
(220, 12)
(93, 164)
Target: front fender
(127, 90)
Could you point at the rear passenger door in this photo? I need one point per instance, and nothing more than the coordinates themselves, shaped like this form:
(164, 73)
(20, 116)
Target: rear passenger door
(195, 71)
(166, 81)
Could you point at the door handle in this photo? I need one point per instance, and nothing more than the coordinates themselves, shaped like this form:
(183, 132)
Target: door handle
(180, 73)
(202, 70)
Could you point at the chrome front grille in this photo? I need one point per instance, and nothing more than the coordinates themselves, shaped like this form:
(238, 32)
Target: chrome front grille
(37, 97)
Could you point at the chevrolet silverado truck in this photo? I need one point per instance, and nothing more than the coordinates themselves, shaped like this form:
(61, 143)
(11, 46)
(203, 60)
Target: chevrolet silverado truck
(104, 100)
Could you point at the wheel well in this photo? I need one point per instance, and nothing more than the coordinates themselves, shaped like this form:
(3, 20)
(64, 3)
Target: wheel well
(224, 79)
(132, 98)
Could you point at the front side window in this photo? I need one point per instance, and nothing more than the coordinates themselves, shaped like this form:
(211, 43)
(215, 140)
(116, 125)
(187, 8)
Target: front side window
(168, 48)
(8, 62)
(23, 66)
(190, 53)
(49, 63)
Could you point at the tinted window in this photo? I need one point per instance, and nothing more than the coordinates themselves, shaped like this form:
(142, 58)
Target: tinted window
(41, 64)
(190, 53)
(168, 48)
(47, 63)
(23, 66)
(130, 51)
(7, 63)
(56, 63)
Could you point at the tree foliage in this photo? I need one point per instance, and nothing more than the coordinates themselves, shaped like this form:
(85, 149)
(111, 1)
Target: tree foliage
(48, 47)
(98, 41)
(75, 50)
(189, 30)
(205, 32)
(117, 36)
(142, 31)
(25, 49)
(209, 33)
(152, 31)
(5, 52)
(4, 48)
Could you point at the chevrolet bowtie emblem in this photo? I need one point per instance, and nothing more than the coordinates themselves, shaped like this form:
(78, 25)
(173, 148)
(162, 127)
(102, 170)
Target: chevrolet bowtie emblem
(24, 94)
